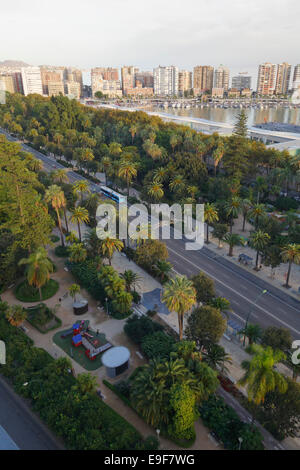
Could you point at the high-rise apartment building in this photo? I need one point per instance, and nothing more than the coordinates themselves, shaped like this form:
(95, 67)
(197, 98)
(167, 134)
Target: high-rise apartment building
(185, 82)
(7, 83)
(266, 80)
(166, 80)
(241, 81)
(296, 77)
(50, 76)
(283, 78)
(106, 80)
(128, 74)
(145, 79)
(203, 79)
(56, 88)
(221, 78)
(32, 80)
(73, 89)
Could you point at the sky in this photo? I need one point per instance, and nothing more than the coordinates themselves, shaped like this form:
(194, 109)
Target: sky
(87, 33)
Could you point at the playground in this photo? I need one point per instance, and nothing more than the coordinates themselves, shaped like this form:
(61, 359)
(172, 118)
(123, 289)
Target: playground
(83, 344)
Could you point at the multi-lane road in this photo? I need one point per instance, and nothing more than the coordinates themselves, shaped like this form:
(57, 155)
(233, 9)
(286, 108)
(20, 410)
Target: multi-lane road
(241, 287)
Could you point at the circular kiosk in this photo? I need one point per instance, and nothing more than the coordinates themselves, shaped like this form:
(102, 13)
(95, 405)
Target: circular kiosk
(116, 360)
(80, 307)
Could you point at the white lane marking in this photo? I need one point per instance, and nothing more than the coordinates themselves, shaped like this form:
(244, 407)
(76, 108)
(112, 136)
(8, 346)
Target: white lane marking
(237, 293)
(249, 280)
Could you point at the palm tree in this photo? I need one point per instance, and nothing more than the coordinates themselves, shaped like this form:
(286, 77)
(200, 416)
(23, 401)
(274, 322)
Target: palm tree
(133, 130)
(73, 290)
(210, 216)
(252, 332)
(177, 183)
(79, 215)
(232, 208)
(156, 190)
(39, 268)
(81, 187)
(60, 176)
(216, 357)
(290, 254)
(160, 174)
(260, 186)
(257, 213)
(162, 269)
(93, 242)
(105, 165)
(127, 171)
(16, 315)
(77, 253)
(218, 155)
(260, 375)
(56, 197)
(259, 240)
(233, 239)
(131, 279)
(179, 296)
(246, 205)
(92, 203)
(153, 150)
(109, 246)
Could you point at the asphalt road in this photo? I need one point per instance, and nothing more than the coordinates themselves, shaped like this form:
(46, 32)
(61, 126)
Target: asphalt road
(24, 427)
(239, 286)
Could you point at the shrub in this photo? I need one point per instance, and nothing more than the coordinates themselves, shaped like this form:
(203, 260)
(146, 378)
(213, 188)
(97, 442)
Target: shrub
(228, 427)
(54, 238)
(26, 293)
(139, 327)
(61, 251)
(157, 345)
(283, 203)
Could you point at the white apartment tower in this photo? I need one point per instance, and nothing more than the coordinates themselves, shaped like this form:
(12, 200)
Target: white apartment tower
(283, 78)
(221, 79)
(32, 80)
(296, 77)
(165, 80)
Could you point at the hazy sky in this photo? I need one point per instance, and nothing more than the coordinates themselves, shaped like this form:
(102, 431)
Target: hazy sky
(146, 33)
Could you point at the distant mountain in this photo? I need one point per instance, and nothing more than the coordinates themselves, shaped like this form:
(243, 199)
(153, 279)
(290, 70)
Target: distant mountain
(13, 63)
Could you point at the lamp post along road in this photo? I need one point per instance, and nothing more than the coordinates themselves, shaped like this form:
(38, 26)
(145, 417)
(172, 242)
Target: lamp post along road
(250, 311)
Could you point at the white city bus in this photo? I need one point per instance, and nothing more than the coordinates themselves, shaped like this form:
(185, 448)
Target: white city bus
(111, 194)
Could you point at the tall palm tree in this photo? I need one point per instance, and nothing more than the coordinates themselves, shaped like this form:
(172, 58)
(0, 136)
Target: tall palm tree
(39, 268)
(109, 246)
(290, 254)
(160, 174)
(74, 289)
(260, 375)
(252, 332)
(259, 241)
(81, 187)
(79, 216)
(216, 357)
(162, 269)
(131, 279)
(257, 213)
(210, 216)
(232, 208)
(56, 197)
(133, 130)
(179, 296)
(127, 171)
(246, 205)
(260, 186)
(177, 183)
(105, 165)
(218, 155)
(156, 190)
(60, 176)
(233, 239)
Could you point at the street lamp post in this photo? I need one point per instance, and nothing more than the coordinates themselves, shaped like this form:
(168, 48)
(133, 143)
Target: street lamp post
(240, 439)
(250, 311)
(106, 299)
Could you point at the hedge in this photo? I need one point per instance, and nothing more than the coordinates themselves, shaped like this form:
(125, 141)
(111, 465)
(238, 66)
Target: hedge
(81, 419)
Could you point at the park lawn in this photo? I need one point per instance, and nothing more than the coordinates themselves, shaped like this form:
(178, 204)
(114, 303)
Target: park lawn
(78, 354)
(26, 293)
